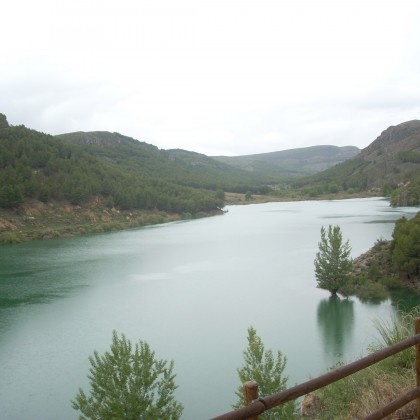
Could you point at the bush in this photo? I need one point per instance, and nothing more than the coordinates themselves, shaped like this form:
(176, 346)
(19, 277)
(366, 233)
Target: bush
(10, 238)
(391, 282)
(129, 383)
(266, 370)
(372, 291)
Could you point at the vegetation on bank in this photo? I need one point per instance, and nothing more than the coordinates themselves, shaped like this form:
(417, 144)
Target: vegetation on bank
(38, 220)
(35, 219)
(388, 265)
(370, 389)
(406, 194)
(283, 194)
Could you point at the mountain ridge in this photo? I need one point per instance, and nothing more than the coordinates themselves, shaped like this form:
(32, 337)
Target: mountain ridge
(405, 135)
(264, 168)
(293, 162)
(391, 159)
(101, 180)
(389, 165)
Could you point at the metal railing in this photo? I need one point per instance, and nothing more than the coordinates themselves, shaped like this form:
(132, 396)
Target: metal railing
(257, 405)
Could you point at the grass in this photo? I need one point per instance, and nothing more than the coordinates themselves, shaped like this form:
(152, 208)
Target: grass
(10, 238)
(370, 389)
(360, 394)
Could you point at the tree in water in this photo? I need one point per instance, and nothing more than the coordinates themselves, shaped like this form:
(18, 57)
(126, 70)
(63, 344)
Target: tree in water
(332, 262)
(129, 383)
(261, 366)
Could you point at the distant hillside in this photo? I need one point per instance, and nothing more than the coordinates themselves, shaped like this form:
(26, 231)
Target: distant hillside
(81, 167)
(389, 165)
(90, 182)
(180, 166)
(294, 162)
(128, 173)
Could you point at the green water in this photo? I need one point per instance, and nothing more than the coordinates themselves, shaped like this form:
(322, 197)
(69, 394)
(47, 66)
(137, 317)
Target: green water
(190, 289)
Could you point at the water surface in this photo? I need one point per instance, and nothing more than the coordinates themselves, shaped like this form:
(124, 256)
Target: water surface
(190, 289)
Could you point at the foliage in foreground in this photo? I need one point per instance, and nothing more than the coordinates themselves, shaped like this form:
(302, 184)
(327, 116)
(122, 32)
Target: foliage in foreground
(261, 366)
(332, 262)
(366, 391)
(129, 383)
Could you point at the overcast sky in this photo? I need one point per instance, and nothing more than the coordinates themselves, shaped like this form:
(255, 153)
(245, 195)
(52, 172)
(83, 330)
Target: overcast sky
(220, 77)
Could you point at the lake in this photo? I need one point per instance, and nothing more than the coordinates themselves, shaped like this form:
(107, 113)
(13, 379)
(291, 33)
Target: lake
(190, 289)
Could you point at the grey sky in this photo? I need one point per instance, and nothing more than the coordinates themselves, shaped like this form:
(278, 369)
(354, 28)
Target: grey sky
(213, 76)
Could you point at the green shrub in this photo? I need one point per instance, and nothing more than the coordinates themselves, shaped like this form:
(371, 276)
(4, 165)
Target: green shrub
(129, 382)
(267, 369)
(372, 291)
(10, 238)
(391, 282)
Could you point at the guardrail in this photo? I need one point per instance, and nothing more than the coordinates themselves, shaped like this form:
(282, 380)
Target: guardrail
(257, 405)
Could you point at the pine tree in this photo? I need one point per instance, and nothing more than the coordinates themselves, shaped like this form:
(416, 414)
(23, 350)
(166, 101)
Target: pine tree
(332, 262)
(129, 383)
(261, 366)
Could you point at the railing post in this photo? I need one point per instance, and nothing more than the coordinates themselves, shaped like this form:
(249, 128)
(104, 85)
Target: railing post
(250, 394)
(417, 326)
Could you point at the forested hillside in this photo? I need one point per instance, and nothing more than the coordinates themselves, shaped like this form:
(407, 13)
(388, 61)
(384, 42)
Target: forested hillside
(389, 166)
(125, 173)
(177, 166)
(43, 167)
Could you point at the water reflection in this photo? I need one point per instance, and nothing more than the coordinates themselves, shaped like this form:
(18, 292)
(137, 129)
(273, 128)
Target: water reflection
(405, 300)
(335, 322)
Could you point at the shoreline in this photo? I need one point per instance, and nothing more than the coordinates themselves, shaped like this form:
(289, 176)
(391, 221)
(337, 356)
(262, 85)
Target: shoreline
(36, 220)
(240, 199)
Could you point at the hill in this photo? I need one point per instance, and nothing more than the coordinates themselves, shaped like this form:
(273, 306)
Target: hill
(390, 165)
(51, 186)
(179, 166)
(292, 163)
(108, 179)
(79, 167)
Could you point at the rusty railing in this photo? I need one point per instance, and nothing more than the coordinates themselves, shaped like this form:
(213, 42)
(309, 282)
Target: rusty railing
(255, 406)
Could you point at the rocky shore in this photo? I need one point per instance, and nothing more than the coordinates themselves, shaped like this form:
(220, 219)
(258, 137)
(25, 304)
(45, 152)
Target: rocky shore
(38, 220)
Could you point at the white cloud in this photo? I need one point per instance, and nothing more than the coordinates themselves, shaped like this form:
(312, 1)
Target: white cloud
(218, 77)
